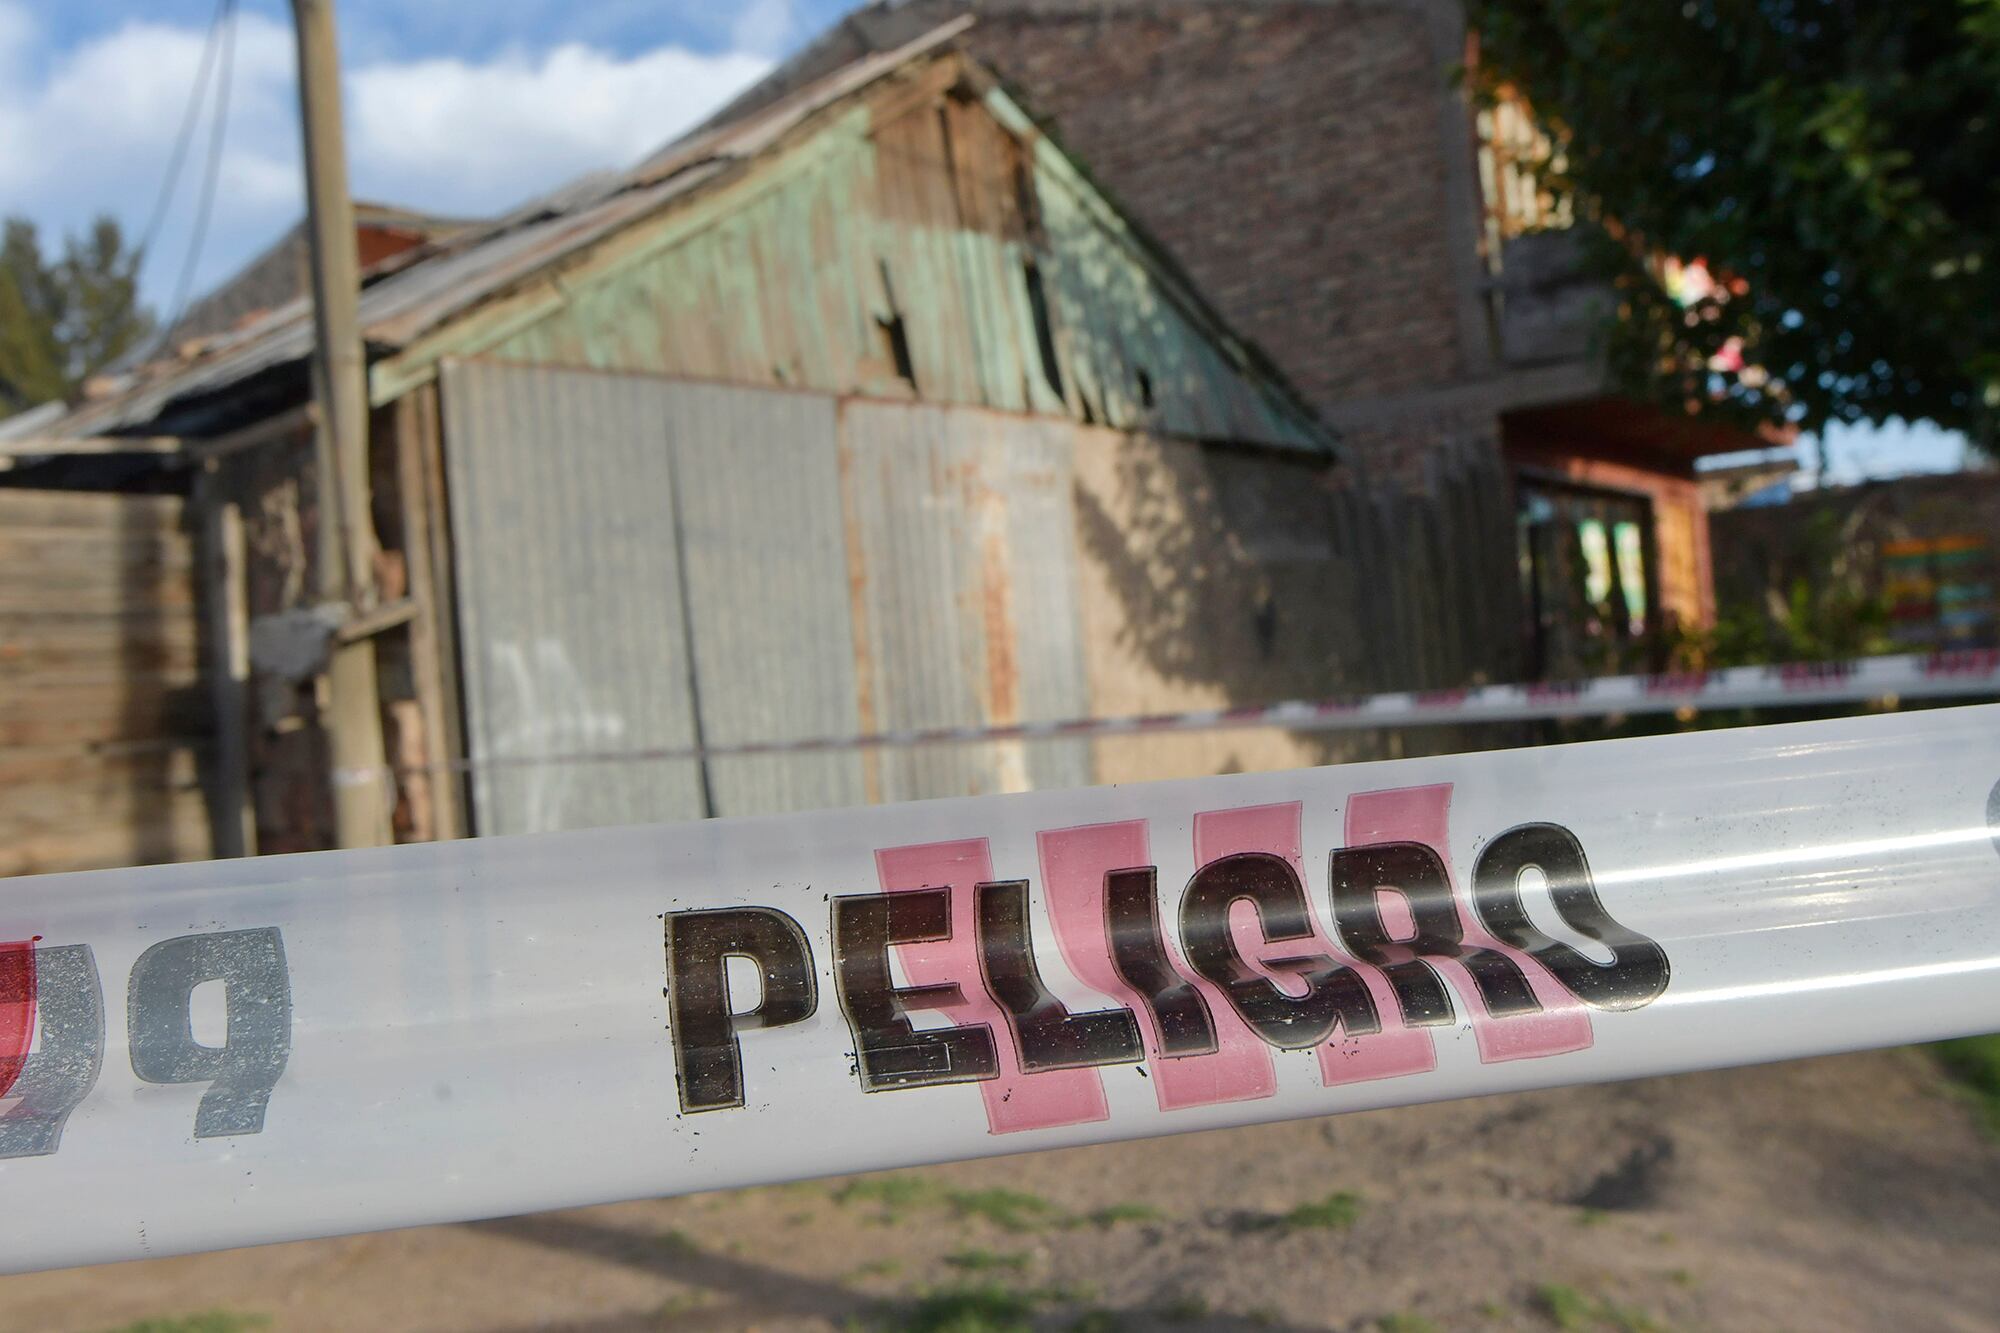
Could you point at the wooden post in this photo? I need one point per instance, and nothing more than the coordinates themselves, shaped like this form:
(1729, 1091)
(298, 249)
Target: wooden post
(432, 670)
(353, 717)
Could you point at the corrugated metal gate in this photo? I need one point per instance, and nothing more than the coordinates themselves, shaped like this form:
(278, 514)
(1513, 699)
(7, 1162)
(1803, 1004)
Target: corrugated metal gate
(837, 567)
(102, 715)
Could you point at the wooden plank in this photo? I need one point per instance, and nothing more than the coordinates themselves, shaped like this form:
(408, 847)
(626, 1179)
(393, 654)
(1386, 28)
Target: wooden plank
(75, 808)
(77, 768)
(136, 708)
(177, 831)
(91, 648)
(117, 513)
(434, 662)
(92, 545)
(57, 446)
(138, 595)
(134, 578)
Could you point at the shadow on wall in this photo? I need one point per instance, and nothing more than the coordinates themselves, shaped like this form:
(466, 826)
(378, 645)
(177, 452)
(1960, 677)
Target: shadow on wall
(1220, 576)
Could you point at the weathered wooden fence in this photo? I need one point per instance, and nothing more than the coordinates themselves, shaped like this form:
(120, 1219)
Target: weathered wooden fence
(101, 707)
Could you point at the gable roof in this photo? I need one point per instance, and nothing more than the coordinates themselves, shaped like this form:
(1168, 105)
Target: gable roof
(413, 299)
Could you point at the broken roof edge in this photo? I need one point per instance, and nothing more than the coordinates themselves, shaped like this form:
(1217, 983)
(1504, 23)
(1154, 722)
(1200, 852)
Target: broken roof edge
(421, 343)
(1257, 366)
(762, 128)
(535, 252)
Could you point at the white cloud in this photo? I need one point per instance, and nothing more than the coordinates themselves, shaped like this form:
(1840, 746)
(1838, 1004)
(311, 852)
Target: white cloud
(90, 129)
(450, 135)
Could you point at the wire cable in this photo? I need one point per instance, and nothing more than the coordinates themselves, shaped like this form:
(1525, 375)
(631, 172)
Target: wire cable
(218, 134)
(197, 95)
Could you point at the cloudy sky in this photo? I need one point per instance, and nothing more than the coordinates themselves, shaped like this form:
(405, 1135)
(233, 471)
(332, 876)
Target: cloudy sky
(458, 106)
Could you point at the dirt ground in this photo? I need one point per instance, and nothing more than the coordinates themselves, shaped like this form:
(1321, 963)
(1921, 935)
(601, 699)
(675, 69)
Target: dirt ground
(1826, 1195)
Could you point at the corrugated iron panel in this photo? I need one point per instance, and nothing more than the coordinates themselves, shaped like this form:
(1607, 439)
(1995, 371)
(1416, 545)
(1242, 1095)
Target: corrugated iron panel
(963, 562)
(761, 524)
(568, 587)
(568, 488)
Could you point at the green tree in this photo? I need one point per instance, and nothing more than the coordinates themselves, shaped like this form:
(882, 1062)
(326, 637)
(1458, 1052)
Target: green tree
(1833, 160)
(65, 318)
(31, 353)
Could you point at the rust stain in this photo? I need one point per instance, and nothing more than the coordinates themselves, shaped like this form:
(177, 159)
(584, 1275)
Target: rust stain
(996, 597)
(857, 599)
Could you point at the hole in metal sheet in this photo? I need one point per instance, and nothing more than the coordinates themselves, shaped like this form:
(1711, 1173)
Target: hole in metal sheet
(1045, 334)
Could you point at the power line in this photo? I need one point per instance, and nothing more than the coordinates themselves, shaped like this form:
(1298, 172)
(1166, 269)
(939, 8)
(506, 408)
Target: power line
(197, 95)
(218, 131)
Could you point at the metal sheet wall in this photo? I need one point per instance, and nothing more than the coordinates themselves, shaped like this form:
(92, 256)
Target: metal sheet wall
(585, 504)
(761, 530)
(569, 610)
(964, 567)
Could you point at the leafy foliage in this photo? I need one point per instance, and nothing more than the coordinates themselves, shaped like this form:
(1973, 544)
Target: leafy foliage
(1337, 1212)
(1831, 162)
(1819, 605)
(211, 1321)
(64, 318)
(1974, 1063)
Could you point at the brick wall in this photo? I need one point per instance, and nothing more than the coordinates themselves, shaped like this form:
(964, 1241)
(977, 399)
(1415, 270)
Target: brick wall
(1288, 155)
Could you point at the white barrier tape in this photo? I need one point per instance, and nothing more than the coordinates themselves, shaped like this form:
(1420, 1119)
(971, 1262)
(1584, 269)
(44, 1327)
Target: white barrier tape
(210, 1055)
(1960, 674)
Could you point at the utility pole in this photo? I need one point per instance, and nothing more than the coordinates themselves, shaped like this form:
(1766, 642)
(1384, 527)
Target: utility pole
(352, 712)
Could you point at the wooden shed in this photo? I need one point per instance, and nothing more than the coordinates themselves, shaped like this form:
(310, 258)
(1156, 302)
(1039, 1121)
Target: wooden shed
(868, 410)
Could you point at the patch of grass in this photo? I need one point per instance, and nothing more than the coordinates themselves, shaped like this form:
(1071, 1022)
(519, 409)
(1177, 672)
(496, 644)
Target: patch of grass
(1492, 1310)
(1404, 1322)
(985, 1307)
(1337, 1211)
(209, 1321)
(986, 1261)
(1569, 1308)
(879, 1268)
(1010, 1210)
(1973, 1063)
(1574, 1312)
(889, 1191)
(1680, 1277)
(1124, 1212)
(1591, 1217)
(676, 1242)
(1263, 1316)
(1184, 1307)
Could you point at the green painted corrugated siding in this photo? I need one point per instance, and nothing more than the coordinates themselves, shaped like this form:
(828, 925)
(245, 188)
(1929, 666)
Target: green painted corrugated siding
(787, 288)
